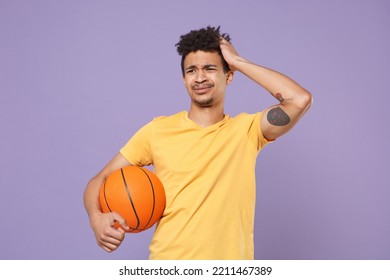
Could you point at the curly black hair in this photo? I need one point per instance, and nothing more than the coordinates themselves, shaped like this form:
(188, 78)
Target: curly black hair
(204, 39)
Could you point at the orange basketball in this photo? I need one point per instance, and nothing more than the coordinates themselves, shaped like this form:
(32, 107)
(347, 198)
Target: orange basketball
(136, 194)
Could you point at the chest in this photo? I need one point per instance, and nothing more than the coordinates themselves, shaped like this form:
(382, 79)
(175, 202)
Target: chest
(182, 151)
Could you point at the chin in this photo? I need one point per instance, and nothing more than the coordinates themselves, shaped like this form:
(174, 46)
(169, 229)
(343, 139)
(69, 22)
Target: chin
(204, 102)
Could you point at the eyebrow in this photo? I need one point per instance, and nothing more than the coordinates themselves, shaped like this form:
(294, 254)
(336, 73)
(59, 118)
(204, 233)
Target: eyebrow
(203, 67)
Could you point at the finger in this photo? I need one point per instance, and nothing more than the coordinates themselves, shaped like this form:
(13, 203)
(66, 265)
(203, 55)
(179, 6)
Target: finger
(111, 243)
(110, 235)
(118, 234)
(108, 243)
(108, 247)
(224, 41)
(120, 220)
(113, 235)
(111, 240)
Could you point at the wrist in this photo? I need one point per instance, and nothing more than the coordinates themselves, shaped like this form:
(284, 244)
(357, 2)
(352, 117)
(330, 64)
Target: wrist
(237, 63)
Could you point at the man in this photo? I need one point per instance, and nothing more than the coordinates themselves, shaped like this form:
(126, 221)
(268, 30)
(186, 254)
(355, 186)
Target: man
(204, 158)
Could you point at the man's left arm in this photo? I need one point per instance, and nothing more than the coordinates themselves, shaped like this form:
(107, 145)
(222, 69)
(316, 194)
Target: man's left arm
(293, 99)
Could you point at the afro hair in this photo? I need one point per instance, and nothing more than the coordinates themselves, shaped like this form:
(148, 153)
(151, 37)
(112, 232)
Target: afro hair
(204, 39)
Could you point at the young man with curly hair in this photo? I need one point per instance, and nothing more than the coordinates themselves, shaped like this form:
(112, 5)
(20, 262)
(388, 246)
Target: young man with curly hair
(204, 157)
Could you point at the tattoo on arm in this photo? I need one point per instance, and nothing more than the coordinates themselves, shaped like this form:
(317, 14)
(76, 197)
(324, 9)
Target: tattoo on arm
(280, 97)
(278, 117)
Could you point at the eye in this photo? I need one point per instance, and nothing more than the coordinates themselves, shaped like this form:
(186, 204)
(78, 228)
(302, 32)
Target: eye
(211, 69)
(190, 71)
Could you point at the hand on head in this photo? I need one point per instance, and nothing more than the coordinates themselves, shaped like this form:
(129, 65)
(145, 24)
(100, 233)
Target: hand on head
(229, 53)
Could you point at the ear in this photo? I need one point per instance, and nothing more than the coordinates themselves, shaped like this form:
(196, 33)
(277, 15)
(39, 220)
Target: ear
(229, 77)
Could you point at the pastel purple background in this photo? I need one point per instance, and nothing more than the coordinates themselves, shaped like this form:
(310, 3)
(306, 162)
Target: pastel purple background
(78, 78)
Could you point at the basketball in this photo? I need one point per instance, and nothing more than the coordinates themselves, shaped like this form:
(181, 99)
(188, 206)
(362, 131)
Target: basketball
(136, 194)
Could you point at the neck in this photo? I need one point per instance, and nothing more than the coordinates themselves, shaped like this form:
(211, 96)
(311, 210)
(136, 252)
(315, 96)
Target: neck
(205, 116)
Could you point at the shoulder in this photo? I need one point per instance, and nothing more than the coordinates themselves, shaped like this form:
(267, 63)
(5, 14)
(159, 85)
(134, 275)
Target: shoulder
(167, 121)
(173, 117)
(247, 118)
(251, 125)
(169, 118)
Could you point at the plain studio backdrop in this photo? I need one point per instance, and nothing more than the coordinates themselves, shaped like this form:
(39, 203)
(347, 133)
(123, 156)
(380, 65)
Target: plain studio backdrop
(78, 78)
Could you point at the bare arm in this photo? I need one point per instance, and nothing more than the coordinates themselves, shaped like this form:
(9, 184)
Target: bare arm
(107, 237)
(293, 99)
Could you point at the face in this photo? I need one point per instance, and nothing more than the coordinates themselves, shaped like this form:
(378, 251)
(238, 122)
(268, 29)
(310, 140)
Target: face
(205, 79)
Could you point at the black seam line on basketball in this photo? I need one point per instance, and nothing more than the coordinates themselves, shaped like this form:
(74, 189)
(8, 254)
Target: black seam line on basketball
(108, 205)
(131, 200)
(105, 197)
(154, 197)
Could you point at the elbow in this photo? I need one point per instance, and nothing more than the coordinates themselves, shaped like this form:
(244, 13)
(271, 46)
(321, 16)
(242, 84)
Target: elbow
(305, 100)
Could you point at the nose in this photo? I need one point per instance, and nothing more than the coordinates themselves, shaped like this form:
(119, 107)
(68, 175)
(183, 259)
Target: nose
(201, 76)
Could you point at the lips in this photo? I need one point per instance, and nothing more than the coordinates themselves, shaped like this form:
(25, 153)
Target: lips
(203, 88)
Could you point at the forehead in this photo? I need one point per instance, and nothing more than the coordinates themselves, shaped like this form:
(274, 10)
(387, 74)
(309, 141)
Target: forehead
(200, 58)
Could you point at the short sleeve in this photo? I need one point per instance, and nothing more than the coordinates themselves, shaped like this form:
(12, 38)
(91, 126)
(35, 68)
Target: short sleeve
(138, 149)
(255, 134)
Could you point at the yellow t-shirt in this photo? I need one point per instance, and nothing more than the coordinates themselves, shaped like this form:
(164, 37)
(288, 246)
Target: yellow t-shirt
(209, 180)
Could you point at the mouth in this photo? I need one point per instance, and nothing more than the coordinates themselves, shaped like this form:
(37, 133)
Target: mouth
(203, 88)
